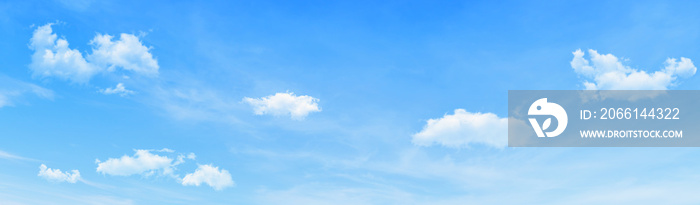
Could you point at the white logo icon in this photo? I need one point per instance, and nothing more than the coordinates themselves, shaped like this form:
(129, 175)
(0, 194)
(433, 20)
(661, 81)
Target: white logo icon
(542, 107)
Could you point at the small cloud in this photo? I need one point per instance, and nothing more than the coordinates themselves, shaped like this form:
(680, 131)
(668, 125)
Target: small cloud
(210, 175)
(606, 72)
(298, 107)
(191, 156)
(181, 158)
(166, 150)
(56, 175)
(118, 89)
(143, 162)
(463, 128)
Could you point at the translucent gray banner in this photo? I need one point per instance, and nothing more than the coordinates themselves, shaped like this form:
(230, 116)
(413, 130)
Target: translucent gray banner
(584, 118)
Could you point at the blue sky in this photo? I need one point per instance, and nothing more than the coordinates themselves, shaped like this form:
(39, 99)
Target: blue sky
(317, 102)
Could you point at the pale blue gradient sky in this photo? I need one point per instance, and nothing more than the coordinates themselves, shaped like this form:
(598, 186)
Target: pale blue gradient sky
(379, 70)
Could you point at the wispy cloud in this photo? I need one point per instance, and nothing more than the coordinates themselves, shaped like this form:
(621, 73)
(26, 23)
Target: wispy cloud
(5, 155)
(12, 91)
(321, 193)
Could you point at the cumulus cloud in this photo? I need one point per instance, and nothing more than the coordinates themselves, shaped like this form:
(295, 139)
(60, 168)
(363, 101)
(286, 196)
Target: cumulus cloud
(210, 175)
(143, 162)
(298, 107)
(118, 89)
(463, 128)
(606, 72)
(56, 175)
(127, 52)
(12, 90)
(54, 58)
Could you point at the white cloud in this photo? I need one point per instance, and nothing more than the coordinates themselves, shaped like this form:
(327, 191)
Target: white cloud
(210, 175)
(166, 150)
(684, 68)
(143, 162)
(53, 58)
(464, 128)
(608, 73)
(298, 107)
(181, 158)
(146, 163)
(128, 53)
(191, 156)
(12, 90)
(118, 89)
(56, 175)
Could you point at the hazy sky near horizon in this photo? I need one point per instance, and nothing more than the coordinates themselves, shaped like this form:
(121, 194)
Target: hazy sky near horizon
(318, 102)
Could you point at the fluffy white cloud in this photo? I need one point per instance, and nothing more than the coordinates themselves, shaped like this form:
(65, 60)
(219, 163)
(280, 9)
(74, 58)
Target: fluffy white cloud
(127, 52)
(608, 73)
(146, 163)
(143, 162)
(12, 90)
(210, 175)
(298, 107)
(118, 89)
(463, 128)
(56, 175)
(53, 57)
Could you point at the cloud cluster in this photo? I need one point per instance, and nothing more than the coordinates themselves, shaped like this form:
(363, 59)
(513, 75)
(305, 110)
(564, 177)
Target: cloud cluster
(280, 104)
(463, 128)
(210, 175)
(54, 58)
(146, 163)
(606, 72)
(603, 71)
(56, 175)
